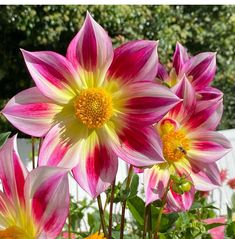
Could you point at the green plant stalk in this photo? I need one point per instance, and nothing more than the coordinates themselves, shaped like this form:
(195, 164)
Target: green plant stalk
(130, 171)
(146, 220)
(69, 226)
(150, 223)
(33, 152)
(161, 211)
(111, 209)
(102, 216)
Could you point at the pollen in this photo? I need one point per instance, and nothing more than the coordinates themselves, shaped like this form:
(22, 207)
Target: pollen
(175, 144)
(13, 233)
(93, 107)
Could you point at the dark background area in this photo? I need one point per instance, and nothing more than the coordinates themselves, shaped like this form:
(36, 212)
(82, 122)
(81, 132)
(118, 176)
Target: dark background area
(199, 28)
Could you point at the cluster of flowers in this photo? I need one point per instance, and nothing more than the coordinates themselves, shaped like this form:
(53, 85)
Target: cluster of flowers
(97, 105)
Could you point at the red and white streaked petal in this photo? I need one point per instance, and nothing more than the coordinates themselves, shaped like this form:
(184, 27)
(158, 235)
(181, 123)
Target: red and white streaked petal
(207, 146)
(12, 172)
(155, 182)
(139, 147)
(205, 176)
(91, 50)
(147, 103)
(97, 166)
(180, 57)
(31, 112)
(207, 115)
(62, 145)
(179, 202)
(135, 61)
(47, 194)
(53, 74)
(184, 90)
(201, 68)
(209, 93)
(162, 73)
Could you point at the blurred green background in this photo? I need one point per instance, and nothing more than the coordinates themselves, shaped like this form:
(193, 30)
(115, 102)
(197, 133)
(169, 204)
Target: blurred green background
(199, 28)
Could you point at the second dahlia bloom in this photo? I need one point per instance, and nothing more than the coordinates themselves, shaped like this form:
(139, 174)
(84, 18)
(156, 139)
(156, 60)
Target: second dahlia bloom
(190, 150)
(33, 205)
(93, 105)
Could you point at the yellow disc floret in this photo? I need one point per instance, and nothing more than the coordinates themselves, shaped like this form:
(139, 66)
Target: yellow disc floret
(13, 233)
(96, 236)
(93, 107)
(175, 143)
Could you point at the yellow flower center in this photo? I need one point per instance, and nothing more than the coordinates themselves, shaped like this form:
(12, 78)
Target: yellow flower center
(96, 236)
(175, 143)
(13, 233)
(93, 107)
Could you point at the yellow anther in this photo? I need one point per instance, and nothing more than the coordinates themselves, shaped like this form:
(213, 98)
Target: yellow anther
(175, 143)
(13, 233)
(93, 107)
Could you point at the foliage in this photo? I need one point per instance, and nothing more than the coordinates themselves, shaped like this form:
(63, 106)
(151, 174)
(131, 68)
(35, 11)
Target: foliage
(199, 28)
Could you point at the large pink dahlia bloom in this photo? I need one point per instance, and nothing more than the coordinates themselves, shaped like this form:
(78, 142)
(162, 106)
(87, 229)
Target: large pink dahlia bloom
(190, 149)
(33, 205)
(93, 105)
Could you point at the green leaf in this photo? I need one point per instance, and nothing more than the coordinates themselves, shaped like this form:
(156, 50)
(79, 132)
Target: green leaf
(134, 186)
(136, 206)
(213, 225)
(4, 137)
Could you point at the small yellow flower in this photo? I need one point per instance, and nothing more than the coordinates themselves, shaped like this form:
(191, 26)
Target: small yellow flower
(97, 235)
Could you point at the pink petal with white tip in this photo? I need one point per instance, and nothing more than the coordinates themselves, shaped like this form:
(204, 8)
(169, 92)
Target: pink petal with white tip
(47, 190)
(53, 74)
(91, 50)
(180, 57)
(31, 112)
(135, 61)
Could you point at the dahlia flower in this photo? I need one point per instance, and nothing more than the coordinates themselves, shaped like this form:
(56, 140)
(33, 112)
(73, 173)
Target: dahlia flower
(200, 71)
(93, 106)
(32, 205)
(190, 150)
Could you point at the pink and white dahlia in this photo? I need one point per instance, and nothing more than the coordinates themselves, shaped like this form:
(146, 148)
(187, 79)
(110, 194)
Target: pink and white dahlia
(200, 71)
(190, 149)
(93, 105)
(32, 205)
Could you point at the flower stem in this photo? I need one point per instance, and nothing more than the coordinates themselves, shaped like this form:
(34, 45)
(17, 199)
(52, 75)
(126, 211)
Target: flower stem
(146, 220)
(69, 226)
(102, 215)
(130, 171)
(111, 209)
(33, 152)
(161, 211)
(150, 223)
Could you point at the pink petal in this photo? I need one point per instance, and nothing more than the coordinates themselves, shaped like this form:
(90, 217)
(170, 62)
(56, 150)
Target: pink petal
(135, 61)
(208, 146)
(91, 49)
(217, 232)
(12, 171)
(184, 90)
(140, 147)
(62, 145)
(201, 68)
(148, 102)
(31, 112)
(53, 74)
(205, 176)
(179, 202)
(180, 57)
(47, 189)
(97, 167)
(162, 73)
(155, 182)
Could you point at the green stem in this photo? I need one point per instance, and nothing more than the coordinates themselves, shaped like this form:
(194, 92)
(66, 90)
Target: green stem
(111, 209)
(146, 220)
(69, 225)
(150, 223)
(124, 202)
(161, 211)
(102, 215)
(33, 152)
